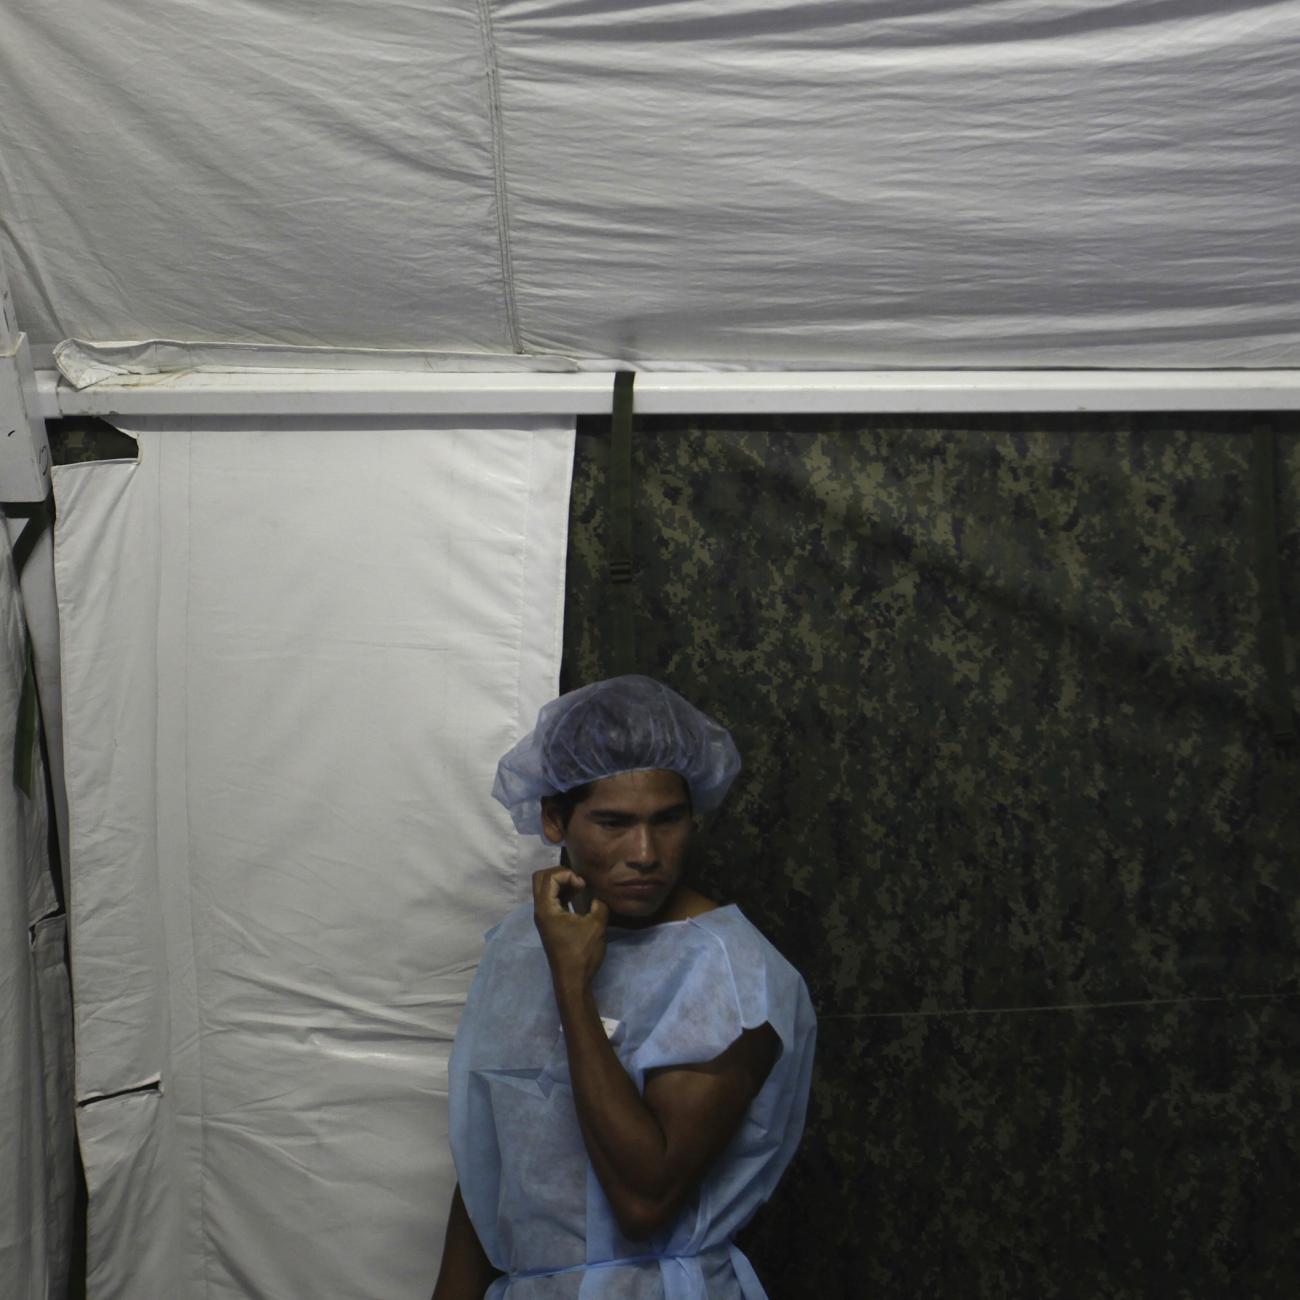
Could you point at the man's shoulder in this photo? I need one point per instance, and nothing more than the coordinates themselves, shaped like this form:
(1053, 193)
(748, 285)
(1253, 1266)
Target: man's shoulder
(515, 927)
(744, 942)
(729, 922)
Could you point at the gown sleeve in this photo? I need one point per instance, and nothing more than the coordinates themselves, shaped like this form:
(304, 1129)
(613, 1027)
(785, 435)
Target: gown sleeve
(724, 979)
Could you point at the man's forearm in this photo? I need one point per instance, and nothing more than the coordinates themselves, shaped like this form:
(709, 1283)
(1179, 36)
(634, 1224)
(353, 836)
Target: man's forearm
(624, 1140)
(466, 1271)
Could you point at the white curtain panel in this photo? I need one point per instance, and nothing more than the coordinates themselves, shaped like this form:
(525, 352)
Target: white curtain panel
(36, 1144)
(291, 658)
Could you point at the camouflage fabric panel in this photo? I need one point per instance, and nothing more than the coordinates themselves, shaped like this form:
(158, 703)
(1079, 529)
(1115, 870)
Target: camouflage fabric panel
(78, 439)
(1012, 803)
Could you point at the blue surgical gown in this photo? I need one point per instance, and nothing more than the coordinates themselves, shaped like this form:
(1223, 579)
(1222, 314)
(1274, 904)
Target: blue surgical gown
(672, 994)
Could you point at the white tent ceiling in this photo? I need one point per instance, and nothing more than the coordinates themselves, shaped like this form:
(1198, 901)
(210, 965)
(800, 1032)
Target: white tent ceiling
(756, 183)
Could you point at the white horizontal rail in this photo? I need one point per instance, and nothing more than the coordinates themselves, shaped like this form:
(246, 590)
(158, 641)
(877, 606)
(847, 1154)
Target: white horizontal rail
(400, 393)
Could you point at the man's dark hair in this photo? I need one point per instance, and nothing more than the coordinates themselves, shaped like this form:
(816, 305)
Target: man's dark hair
(567, 800)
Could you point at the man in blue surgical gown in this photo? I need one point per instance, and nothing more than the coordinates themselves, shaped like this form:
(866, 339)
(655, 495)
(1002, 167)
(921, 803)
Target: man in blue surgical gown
(631, 1072)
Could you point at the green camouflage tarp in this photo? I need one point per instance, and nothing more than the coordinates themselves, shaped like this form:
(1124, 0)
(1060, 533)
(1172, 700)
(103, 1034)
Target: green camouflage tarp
(1012, 802)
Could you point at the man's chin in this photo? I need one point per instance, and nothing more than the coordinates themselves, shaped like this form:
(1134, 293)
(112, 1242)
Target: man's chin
(635, 905)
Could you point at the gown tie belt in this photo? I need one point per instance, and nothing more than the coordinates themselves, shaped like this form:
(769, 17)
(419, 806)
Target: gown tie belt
(679, 1281)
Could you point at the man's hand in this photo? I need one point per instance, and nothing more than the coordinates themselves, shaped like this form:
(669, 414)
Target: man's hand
(574, 944)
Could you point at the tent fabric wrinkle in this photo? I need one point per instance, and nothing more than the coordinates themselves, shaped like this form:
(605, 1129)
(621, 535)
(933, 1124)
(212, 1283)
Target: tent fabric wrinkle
(84, 363)
(291, 654)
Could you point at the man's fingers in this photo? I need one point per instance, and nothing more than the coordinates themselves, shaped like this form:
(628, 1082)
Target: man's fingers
(550, 883)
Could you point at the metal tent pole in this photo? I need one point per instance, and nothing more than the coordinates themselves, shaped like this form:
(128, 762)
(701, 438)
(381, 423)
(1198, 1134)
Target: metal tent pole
(344, 393)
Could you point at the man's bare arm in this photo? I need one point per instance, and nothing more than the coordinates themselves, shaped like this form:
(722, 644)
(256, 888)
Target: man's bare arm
(651, 1152)
(466, 1271)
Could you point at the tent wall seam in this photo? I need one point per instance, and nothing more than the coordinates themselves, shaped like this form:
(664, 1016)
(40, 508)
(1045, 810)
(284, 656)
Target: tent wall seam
(499, 172)
(176, 457)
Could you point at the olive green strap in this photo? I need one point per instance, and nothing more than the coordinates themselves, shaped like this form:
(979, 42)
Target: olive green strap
(622, 641)
(39, 516)
(1272, 631)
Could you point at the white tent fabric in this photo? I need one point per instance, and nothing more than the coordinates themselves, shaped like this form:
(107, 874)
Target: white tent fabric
(291, 657)
(756, 183)
(36, 1145)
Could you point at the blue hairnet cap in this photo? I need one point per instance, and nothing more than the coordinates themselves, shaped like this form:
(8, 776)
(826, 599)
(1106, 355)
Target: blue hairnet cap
(623, 724)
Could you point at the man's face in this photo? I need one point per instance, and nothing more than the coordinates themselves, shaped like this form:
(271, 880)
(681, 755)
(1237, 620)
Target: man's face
(627, 840)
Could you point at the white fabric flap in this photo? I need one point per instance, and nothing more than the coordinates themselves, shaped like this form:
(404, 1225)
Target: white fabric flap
(291, 659)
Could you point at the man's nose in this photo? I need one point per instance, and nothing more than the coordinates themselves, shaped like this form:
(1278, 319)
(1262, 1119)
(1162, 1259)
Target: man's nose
(641, 849)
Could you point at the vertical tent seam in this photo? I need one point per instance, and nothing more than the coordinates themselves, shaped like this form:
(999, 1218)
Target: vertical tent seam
(205, 1253)
(1272, 632)
(499, 172)
(521, 890)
